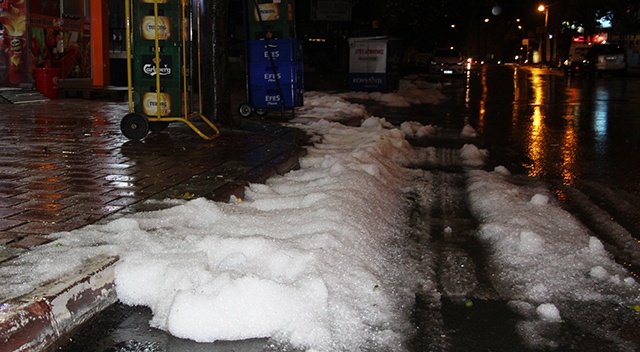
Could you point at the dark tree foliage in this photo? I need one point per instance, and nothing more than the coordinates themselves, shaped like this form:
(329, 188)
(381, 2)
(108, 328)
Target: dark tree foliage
(426, 24)
(626, 16)
(417, 21)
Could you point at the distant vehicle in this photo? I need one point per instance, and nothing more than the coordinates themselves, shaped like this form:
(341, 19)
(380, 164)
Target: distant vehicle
(447, 62)
(574, 64)
(605, 58)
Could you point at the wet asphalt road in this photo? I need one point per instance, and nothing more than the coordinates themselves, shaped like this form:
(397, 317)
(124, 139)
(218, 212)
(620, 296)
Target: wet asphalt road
(569, 129)
(579, 136)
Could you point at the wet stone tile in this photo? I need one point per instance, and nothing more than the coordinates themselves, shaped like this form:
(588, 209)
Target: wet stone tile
(125, 185)
(47, 178)
(9, 170)
(116, 166)
(9, 185)
(9, 202)
(81, 175)
(42, 215)
(91, 189)
(45, 228)
(39, 204)
(7, 212)
(119, 177)
(124, 201)
(94, 209)
(6, 193)
(84, 182)
(44, 187)
(10, 177)
(90, 198)
(123, 192)
(78, 221)
(8, 238)
(29, 241)
(6, 224)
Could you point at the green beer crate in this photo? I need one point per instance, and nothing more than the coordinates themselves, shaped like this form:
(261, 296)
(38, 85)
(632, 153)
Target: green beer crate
(169, 22)
(271, 10)
(272, 30)
(145, 99)
(170, 8)
(171, 80)
(144, 63)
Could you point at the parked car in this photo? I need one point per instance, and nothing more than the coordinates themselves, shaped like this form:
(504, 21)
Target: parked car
(605, 58)
(574, 64)
(447, 62)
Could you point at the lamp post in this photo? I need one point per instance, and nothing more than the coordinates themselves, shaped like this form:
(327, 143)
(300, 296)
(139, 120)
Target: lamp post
(486, 21)
(545, 9)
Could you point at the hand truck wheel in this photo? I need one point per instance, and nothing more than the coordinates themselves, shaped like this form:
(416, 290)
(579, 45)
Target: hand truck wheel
(245, 110)
(134, 126)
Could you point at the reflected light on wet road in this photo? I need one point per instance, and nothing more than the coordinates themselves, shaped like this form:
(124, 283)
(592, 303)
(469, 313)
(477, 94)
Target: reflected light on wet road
(600, 120)
(535, 143)
(483, 100)
(551, 143)
(569, 147)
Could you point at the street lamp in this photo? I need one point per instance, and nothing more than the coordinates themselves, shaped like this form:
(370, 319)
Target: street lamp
(545, 9)
(486, 20)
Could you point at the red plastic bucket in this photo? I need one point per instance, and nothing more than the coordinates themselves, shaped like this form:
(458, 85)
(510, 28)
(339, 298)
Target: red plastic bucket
(47, 81)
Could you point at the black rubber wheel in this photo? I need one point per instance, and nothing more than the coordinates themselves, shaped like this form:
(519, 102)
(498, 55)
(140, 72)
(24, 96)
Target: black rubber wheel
(245, 110)
(262, 113)
(158, 126)
(134, 126)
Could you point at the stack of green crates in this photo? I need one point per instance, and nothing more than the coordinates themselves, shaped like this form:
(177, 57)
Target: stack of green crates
(144, 73)
(278, 19)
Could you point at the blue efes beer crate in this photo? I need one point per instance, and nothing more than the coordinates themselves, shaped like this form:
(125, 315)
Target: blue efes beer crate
(281, 50)
(287, 73)
(269, 97)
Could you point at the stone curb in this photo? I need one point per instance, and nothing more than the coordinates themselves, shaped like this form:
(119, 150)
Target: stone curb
(36, 321)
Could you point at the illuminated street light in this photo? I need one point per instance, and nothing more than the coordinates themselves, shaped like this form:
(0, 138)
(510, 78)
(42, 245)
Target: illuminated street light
(545, 9)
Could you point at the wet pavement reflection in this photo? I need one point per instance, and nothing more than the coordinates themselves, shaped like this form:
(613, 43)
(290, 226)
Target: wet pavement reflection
(544, 124)
(579, 135)
(65, 164)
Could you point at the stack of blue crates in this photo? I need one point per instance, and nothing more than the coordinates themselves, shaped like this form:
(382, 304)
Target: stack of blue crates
(278, 82)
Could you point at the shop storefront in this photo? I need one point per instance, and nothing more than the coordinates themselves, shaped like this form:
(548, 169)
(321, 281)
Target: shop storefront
(66, 35)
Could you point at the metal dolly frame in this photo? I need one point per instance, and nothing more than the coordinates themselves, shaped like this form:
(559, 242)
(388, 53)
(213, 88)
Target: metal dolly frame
(136, 126)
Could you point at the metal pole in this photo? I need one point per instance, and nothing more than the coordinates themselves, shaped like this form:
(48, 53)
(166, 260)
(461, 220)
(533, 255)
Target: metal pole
(547, 50)
(215, 83)
(127, 6)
